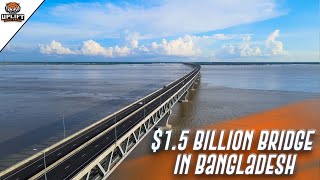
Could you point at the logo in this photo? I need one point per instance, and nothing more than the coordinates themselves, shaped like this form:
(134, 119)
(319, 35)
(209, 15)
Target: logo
(12, 8)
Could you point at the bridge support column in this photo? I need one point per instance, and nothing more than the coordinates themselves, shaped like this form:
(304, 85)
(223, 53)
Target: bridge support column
(184, 97)
(164, 123)
(111, 157)
(192, 87)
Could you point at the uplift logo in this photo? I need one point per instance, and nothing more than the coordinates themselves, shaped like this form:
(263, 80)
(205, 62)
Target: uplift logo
(12, 8)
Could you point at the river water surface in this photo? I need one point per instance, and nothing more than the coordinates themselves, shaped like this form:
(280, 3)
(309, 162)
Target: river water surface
(34, 98)
(227, 92)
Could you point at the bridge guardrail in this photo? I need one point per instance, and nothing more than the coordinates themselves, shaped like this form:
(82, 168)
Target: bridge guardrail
(69, 138)
(126, 142)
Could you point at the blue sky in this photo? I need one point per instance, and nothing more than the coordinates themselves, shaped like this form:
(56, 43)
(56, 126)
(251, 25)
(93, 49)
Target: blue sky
(169, 30)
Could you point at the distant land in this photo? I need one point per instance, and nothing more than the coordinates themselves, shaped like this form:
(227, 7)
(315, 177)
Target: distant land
(111, 63)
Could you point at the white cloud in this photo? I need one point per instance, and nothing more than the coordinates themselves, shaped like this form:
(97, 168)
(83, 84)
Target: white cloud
(228, 50)
(273, 46)
(95, 20)
(178, 47)
(133, 39)
(154, 45)
(144, 49)
(91, 47)
(88, 47)
(134, 43)
(242, 50)
(121, 51)
(246, 49)
(55, 48)
(187, 46)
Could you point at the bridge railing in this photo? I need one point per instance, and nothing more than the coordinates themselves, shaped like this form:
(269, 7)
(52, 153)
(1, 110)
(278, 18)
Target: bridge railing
(162, 95)
(69, 138)
(105, 163)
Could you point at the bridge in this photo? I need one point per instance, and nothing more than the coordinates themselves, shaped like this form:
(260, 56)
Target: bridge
(95, 151)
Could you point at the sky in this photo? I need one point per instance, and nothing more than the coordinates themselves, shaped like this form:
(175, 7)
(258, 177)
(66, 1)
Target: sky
(169, 30)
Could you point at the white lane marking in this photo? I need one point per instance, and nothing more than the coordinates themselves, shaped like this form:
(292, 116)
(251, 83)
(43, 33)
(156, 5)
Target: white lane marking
(58, 154)
(101, 133)
(96, 145)
(67, 167)
(74, 144)
(67, 143)
(89, 159)
(40, 165)
(83, 155)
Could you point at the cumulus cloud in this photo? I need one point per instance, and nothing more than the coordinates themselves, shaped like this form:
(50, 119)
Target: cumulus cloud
(246, 49)
(133, 39)
(88, 47)
(178, 47)
(186, 46)
(183, 46)
(273, 46)
(55, 48)
(242, 50)
(121, 51)
(91, 47)
(134, 43)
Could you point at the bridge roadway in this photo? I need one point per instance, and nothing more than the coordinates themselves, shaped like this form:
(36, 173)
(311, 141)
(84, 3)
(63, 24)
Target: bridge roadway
(73, 164)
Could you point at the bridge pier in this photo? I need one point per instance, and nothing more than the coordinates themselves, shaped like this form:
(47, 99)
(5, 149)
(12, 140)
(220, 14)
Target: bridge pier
(192, 87)
(110, 158)
(197, 79)
(184, 97)
(195, 83)
(163, 124)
